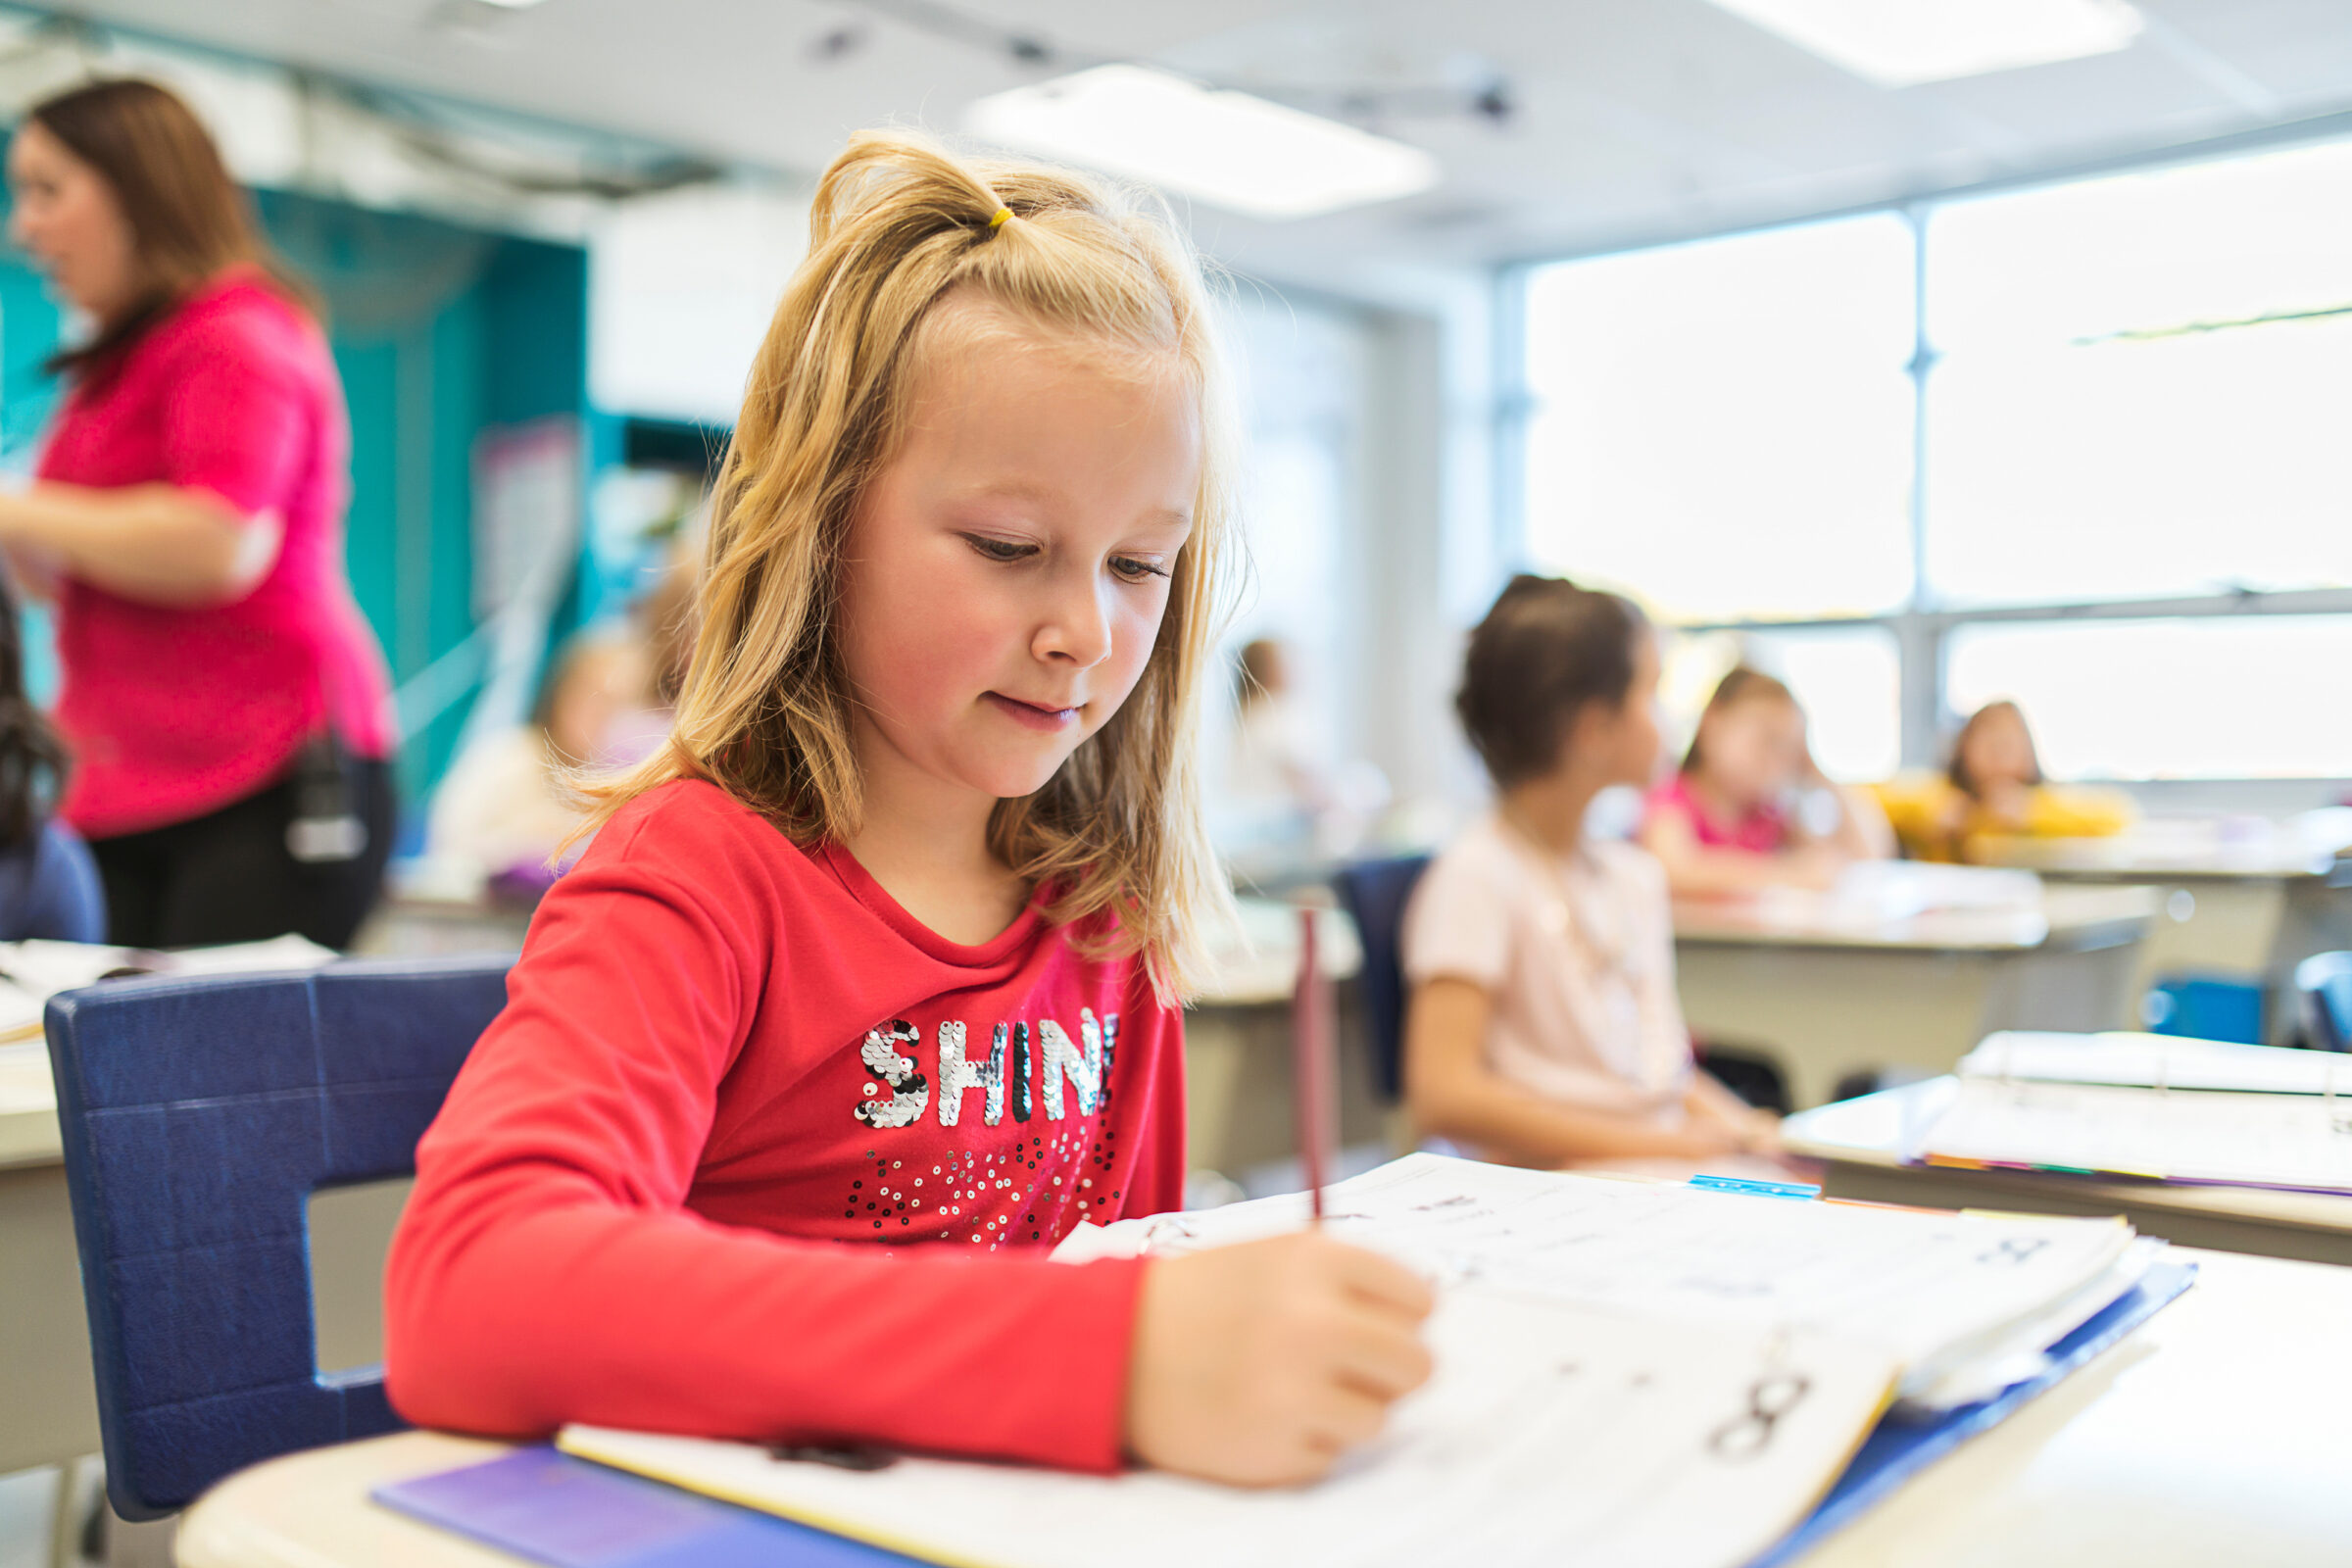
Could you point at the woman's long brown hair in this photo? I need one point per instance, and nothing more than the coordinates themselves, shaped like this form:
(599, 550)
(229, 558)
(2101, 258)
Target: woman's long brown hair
(189, 221)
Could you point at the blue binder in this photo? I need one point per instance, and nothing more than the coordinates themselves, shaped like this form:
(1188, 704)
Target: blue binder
(552, 1508)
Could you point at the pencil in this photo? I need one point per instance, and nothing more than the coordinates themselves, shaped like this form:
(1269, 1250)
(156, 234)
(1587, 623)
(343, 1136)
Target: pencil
(1311, 1064)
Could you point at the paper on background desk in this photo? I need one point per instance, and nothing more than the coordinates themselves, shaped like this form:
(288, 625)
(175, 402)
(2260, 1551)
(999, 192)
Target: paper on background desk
(32, 972)
(2157, 1061)
(1550, 1435)
(1944, 1293)
(2300, 1141)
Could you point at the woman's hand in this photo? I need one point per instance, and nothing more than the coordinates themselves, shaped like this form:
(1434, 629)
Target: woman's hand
(1259, 1364)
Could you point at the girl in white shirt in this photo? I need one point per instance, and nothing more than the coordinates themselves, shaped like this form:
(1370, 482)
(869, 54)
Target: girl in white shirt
(1543, 1027)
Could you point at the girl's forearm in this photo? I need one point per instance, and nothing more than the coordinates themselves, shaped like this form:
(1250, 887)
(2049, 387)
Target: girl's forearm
(1504, 1121)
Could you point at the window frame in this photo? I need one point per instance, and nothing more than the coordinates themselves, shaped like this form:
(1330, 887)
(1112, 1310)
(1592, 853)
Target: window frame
(1921, 627)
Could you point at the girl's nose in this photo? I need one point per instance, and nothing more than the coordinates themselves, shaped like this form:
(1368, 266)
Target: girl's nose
(1076, 629)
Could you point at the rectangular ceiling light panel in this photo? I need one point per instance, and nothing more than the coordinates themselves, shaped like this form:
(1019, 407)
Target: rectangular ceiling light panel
(1899, 43)
(1226, 148)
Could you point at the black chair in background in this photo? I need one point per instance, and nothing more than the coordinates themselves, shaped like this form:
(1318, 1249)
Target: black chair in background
(2325, 982)
(1375, 894)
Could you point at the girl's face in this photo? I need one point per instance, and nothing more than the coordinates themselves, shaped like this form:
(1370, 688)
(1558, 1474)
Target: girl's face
(66, 219)
(1006, 572)
(1626, 737)
(1754, 750)
(1999, 751)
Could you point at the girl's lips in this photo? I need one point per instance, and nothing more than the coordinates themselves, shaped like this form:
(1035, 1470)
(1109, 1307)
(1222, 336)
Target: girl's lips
(1030, 714)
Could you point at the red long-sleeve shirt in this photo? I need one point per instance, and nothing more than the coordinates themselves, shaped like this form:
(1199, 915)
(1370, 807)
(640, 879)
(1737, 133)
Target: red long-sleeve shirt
(722, 1058)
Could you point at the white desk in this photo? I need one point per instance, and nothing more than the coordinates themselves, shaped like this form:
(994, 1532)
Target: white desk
(1237, 1041)
(2214, 1435)
(1826, 991)
(1864, 1144)
(2247, 906)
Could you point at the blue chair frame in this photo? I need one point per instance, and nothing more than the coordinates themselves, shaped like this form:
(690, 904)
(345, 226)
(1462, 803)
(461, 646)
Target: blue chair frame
(1375, 894)
(2325, 982)
(198, 1115)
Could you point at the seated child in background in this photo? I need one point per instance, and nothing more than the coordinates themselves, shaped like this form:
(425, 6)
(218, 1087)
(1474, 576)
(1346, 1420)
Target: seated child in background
(49, 886)
(870, 990)
(507, 805)
(1994, 787)
(1543, 1027)
(1748, 810)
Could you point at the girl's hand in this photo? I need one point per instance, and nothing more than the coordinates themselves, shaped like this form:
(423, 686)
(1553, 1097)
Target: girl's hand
(1760, 1135)
(1259, 1364)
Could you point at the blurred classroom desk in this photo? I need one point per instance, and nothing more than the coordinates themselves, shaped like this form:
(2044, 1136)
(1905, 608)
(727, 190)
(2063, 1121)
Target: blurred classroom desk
(2213, 1434)
(1863, 1144)
(2245, 902)
(48, 1406)
(1826, 991)
(1237, 1041)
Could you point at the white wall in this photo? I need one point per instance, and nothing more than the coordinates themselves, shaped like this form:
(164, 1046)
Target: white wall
(1370, 514)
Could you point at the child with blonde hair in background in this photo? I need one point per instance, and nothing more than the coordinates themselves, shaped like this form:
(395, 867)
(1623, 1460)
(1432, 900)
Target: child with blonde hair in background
(867, 991)
(1994, 787)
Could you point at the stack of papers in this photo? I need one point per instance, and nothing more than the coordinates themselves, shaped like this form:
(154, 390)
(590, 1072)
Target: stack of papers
(2155, 1107)
(1628, 1373)
(32, 972)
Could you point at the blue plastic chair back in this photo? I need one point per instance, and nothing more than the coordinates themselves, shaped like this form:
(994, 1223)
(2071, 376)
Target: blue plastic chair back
(198, 1115)
(1375, 893)
(2325, 981)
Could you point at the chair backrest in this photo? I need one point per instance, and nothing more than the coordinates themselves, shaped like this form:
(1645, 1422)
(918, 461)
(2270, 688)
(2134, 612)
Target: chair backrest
(1375, 893)
(198, 1115)
(2325, 982)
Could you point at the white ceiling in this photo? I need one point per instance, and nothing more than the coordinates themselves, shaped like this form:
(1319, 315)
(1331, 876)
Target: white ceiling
(1636, 119)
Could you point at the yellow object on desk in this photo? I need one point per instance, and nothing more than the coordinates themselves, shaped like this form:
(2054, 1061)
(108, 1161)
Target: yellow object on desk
(1935, 820)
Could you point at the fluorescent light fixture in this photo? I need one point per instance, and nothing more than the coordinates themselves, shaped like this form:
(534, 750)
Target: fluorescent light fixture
(1225, 148)
(1899, 43)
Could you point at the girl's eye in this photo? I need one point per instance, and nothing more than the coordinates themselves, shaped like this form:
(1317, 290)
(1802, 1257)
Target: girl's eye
(1132, 569)
(998, 549)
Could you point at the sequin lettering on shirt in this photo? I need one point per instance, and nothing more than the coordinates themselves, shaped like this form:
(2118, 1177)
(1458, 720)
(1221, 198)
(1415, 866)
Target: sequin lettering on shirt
(909, 1090)
(957, 1073)
(1021, 1104)
(1058, 1058)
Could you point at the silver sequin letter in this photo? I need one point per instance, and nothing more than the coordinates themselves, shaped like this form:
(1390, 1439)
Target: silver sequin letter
(910, 1093)
(957, 1073)
(1060, 1058)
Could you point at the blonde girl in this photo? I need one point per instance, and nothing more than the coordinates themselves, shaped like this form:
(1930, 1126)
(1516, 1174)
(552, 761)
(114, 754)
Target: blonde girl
(885, 948)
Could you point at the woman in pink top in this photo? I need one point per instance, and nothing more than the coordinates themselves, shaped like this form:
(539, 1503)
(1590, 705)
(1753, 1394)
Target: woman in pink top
(1748, 810)
(226, 704)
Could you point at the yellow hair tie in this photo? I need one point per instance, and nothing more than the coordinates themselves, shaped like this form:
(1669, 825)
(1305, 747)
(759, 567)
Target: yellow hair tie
(998, 222)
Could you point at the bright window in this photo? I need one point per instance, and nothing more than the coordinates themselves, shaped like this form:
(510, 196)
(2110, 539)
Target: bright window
(1724, 429)
(2236, 697)
(2144, 385)
(1849, 681)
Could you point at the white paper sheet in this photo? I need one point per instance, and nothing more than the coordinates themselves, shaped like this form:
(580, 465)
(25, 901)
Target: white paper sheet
(32, 972)
(2256, 1140)
(1552, 1434)
(1933, 1289)
(2158, 1061)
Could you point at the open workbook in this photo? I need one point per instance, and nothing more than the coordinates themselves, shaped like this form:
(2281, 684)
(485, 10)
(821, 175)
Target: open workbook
(2151, 1107)
(1628, 1373)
